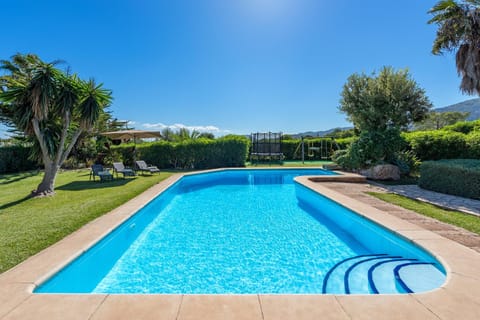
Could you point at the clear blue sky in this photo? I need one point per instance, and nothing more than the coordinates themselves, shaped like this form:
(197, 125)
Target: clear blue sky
(236, 66)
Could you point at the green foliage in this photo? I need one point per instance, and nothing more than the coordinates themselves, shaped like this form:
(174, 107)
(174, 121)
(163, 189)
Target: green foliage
(16, 159)
(473, 144)
(459, 29)
(372, 148)
(201, 153)
(436, 145)
(389, 99)
(464, 127)
(50, 106)
(459, 177)
(407, 162)
(438, 120)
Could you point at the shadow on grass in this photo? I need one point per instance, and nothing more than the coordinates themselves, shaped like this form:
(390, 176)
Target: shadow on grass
(14, 203)
(84, 185)
(11, 178)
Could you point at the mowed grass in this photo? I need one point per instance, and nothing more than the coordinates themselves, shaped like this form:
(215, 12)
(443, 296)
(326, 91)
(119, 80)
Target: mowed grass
(456, 218)
(28, 225)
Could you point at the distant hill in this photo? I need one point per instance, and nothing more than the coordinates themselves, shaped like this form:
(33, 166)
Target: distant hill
(472, 106)
(316, 133)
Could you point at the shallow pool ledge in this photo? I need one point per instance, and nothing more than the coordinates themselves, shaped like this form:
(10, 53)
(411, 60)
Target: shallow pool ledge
(458, 298)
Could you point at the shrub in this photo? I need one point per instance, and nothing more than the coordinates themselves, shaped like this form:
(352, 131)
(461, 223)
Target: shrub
(406, 161)
(371, 148)
(473, 144)
(16, 159)
(459, 177)
(464, 127)
(436, 145)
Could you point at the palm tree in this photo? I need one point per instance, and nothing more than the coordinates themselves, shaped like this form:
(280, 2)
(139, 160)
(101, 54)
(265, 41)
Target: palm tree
(459, 29)
(50, 105)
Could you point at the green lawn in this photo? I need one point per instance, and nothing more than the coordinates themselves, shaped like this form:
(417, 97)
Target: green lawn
(456, 218)
(28, 225)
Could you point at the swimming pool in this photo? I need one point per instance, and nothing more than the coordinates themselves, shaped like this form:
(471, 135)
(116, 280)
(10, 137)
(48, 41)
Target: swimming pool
(248, 231)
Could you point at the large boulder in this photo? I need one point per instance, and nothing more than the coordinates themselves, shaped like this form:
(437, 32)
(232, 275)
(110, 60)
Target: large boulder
(382, 172)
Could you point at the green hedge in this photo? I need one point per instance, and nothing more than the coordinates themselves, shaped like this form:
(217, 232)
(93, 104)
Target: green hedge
(229, 151)
(459, 177)
(16, 159)
(464, 127)
(436, 145)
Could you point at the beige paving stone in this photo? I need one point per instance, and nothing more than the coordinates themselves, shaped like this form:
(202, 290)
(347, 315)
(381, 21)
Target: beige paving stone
(220, 307)
(464, 287)
(302, 307)
(420, 235)
(56, 307)
(450, 306)
(449, 248)
(139, 307)
(389, 307)
(12, 295)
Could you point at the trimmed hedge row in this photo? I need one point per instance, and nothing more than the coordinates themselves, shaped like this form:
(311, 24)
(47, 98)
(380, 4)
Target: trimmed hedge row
(229, 151)
(441, 144)
(16, 159)
(459, 177)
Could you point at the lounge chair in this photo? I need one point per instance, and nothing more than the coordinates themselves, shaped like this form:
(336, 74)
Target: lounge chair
(99, 171)
(118, 167)
(142, 166)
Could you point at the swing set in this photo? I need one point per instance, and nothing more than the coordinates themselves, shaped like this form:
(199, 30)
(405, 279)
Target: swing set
(317, 150)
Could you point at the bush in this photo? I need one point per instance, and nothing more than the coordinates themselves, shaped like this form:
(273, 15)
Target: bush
(436, 145)
(473, 145)
(16, 159)
(407, 162)
(203, 153)
(464, 127)
(459, 177)
(371, 148)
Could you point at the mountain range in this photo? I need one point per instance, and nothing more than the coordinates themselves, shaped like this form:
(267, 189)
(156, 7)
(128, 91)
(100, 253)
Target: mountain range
(471, 106)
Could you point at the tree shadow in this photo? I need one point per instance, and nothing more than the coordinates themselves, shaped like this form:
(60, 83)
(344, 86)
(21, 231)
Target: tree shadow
(11, 178)
(84, 185)
(14, 203)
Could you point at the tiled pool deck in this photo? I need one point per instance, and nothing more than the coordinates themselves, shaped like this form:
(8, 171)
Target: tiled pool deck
(458, 298)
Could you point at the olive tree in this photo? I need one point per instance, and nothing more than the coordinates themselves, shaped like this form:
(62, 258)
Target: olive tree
(380, 106)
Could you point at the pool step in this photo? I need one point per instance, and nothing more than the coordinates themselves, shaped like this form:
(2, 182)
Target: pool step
(381, 274)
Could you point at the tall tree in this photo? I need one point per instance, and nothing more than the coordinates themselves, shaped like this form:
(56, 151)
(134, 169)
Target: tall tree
(391, 99)
(438, 120)
(380, 106)
(50, 105)
(459, 30)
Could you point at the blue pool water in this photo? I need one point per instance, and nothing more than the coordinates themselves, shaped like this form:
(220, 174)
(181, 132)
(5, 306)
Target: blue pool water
(248, 231)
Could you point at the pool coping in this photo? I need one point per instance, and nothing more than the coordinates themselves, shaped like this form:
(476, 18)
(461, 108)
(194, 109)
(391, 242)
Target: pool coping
(459, 297)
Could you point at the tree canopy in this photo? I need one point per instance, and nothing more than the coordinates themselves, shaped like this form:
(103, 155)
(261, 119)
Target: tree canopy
(391, 99)
(438, 120)
(49, 105)
(459, 30)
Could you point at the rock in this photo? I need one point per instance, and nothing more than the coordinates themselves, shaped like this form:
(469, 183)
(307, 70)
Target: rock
(382, 172)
